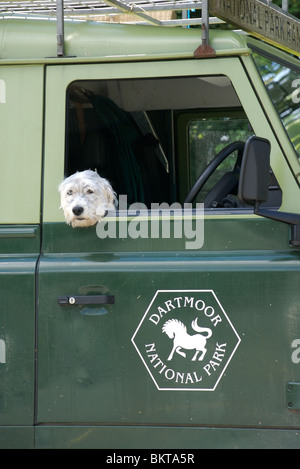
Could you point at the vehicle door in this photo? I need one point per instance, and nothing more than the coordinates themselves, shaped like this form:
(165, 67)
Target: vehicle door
(191, 327)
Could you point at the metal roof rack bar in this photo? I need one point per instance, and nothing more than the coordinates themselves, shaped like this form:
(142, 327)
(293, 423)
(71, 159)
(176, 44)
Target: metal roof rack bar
(149, 7)
(95, 7)
(127, 9)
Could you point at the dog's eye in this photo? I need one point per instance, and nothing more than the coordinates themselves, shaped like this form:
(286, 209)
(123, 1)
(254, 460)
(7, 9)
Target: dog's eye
(70, 192)
(89, 191)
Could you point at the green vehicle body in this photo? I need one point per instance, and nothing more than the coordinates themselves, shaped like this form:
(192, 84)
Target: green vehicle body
(99, 376)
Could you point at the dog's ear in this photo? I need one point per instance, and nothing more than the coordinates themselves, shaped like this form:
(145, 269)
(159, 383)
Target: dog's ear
(61, 186)
(110, 195)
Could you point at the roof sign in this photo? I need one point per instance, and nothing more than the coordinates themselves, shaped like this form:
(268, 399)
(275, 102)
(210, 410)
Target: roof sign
(261, 19)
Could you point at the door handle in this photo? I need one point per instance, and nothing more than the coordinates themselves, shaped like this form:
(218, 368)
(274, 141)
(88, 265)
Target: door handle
(86, 300)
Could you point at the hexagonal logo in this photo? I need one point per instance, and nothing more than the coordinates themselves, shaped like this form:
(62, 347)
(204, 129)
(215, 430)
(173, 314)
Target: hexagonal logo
(186, 340)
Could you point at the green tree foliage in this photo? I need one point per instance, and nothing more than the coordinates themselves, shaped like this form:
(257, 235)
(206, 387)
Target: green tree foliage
(294, 6)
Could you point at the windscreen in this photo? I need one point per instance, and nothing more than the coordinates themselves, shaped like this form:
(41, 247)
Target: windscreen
(283, 85)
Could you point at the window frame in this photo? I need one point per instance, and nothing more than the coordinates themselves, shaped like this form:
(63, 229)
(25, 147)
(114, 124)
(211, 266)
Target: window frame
(60, 76)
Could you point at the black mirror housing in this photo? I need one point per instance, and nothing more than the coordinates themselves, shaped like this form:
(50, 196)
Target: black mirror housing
(254, 185)
(255, 171)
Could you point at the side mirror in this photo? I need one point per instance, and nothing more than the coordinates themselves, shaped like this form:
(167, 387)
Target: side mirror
(254, 184)
(255, 171)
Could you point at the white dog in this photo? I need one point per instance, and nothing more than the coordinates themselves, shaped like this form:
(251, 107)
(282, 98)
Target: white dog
(86, 198)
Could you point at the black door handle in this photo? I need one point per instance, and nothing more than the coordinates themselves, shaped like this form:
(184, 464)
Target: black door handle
(86, 300)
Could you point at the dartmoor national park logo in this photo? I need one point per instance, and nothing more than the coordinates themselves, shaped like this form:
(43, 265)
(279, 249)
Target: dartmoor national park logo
(185, 340)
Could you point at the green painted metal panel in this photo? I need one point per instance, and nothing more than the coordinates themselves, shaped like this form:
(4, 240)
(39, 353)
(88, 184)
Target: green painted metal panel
(90, 370)
(19, 248)
(141, 437)
(22, 239)
(293, 395)
(21, 124)
(33, 39)
(238, 234)
(16, 437)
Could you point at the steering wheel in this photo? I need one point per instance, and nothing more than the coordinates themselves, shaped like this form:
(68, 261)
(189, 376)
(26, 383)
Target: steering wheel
(211, 167)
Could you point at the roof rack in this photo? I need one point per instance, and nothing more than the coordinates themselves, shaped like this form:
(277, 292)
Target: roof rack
(258, 17)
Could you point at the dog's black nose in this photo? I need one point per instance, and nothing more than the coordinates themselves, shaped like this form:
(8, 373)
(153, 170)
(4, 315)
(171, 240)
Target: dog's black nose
(77, 210)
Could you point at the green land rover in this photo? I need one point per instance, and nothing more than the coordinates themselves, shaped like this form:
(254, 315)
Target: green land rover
(175, 322)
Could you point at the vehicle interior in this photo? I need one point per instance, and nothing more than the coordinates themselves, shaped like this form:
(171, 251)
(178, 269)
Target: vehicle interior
(156, 143)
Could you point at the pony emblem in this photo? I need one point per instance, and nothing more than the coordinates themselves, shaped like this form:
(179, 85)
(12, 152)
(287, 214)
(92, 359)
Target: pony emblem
(176, 330)
(177, 353)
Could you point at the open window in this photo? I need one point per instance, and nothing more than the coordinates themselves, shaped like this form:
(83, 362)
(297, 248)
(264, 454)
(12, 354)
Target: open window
(152, 138)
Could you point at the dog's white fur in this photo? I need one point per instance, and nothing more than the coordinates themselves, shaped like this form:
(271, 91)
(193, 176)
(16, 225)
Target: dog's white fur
(85, 198)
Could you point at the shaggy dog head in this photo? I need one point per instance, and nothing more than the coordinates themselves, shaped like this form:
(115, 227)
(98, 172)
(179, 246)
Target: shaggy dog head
(85, 198)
